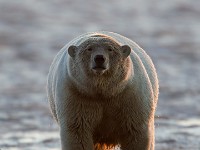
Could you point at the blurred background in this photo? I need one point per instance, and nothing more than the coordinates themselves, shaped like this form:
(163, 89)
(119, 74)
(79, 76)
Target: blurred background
(33, 31)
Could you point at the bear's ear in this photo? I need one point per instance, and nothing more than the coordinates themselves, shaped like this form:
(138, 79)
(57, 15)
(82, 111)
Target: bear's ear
(126, 50)
(72, 50)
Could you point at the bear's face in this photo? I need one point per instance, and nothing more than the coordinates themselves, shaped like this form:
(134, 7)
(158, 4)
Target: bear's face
(99, 56)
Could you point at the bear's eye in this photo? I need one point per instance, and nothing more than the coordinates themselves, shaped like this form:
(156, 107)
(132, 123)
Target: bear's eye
(89, 49)
(110, 49)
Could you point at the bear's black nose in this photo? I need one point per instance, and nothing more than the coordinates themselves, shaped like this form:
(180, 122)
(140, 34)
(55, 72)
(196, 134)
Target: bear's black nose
(99, 59)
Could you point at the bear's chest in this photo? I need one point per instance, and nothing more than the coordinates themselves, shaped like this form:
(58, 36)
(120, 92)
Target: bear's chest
(107, 131)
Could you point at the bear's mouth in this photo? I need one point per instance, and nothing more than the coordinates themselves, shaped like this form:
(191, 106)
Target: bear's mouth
(99, 69)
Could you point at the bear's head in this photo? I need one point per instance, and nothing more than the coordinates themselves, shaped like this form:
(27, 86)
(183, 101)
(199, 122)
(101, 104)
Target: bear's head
(100, 59)
(99, 54)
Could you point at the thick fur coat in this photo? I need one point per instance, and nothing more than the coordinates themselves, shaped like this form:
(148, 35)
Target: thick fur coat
(103, 91)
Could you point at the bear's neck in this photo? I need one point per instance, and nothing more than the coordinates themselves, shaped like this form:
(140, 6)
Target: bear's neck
(103, 88)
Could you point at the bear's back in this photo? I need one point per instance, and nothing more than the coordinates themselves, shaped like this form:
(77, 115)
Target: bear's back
(58, 71)
(147, 62)
(145, 59)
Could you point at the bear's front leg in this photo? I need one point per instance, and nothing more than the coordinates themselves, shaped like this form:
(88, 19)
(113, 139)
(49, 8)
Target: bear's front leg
(77, 120)
(76, 137)
(138, 140)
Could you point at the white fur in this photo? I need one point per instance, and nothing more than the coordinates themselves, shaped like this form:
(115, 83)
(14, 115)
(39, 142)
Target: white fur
(134, 108)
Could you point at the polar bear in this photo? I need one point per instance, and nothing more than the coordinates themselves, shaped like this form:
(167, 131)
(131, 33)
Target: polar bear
(103, 91)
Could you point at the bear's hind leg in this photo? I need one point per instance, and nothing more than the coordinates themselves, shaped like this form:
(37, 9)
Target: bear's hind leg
(103, 147)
